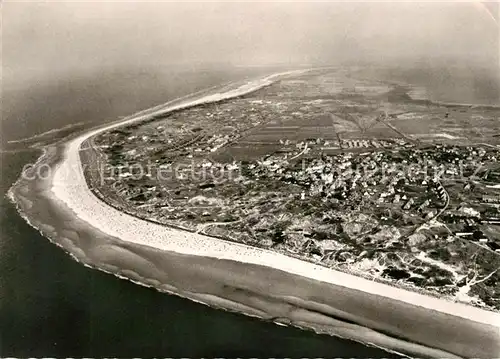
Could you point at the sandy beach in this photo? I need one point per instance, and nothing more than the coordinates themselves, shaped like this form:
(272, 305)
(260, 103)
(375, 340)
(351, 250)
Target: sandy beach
(68, 187)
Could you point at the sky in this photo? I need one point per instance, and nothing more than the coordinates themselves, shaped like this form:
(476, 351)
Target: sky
(50, 37)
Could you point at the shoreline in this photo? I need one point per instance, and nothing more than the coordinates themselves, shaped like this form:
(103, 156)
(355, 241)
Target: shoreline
(428, 98)
(69, 186)
(413, 90)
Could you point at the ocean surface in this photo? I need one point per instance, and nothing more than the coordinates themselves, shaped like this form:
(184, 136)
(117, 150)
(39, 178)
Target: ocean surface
(50, 305)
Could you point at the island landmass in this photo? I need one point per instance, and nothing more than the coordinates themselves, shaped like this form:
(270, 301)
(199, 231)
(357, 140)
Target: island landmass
(304, 230)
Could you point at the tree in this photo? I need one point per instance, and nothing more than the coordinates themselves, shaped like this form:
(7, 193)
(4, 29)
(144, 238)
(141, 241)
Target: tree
(278, 231)
(440, 253)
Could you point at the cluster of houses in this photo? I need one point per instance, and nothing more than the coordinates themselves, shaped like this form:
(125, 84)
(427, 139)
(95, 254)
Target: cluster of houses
(367, 143)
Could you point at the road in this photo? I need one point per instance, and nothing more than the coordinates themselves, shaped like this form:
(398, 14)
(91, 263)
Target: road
(299, 154)
(445, 207)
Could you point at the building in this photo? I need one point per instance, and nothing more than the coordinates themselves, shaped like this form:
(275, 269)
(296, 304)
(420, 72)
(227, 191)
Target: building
(441, 192)
(491, 199)
(423, 205)
(408, 204)
(494, 246)
(463, 234)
